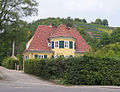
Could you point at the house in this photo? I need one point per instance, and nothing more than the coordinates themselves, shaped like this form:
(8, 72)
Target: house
(49, 41)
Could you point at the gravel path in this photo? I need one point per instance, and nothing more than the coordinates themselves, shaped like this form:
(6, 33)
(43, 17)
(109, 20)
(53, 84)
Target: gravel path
(21, 77)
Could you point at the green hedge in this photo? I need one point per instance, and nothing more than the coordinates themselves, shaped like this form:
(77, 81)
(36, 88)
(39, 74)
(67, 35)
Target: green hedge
(77, 71)
(10, 62)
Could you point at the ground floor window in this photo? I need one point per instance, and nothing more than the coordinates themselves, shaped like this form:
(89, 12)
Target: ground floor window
(26, 57)
(41, 56)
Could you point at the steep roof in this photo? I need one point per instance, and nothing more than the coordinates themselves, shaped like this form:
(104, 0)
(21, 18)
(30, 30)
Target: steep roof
(40, 39)
(43, 33)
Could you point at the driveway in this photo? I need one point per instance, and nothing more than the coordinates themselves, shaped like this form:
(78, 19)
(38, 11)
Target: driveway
(18, 81)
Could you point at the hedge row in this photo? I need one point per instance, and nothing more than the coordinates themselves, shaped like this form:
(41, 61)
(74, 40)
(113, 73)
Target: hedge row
(10, 63)
(77, 71)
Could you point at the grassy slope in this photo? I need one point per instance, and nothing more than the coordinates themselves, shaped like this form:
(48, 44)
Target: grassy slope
(96, 29)
(111, 51)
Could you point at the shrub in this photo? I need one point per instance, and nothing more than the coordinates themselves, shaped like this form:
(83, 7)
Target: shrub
(85, 70)
(10, 62)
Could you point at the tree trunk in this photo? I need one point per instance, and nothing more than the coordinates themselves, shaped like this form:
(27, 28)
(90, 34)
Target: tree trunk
(13, 49)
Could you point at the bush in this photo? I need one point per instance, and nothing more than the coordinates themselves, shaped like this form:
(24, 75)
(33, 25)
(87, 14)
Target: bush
(10, 62)
(77, 71)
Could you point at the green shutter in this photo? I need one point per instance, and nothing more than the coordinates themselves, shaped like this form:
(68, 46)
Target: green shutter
(70, 44)
(45, 56)
(52, 44)
(36, 56)
(61, 44)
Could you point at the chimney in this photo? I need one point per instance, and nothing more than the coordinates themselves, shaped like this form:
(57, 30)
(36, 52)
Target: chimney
(50, 25)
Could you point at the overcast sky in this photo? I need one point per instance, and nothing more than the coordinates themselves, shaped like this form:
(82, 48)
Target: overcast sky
(88, 9)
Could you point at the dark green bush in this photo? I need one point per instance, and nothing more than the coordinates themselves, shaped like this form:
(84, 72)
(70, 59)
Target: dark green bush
(77, 71)
(10, 62)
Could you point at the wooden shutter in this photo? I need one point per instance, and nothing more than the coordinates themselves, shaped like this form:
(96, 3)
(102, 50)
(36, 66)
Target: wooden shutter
(52, 44)
(61, 44)
(70, 44)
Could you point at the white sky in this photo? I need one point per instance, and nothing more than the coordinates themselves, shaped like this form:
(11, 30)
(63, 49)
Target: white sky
(88, 9)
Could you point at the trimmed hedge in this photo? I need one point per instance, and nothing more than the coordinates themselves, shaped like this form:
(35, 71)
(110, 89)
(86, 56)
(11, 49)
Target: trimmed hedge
(77, 71)
(9, 63)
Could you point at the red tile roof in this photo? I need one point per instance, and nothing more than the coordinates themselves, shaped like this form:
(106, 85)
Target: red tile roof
(43, 33)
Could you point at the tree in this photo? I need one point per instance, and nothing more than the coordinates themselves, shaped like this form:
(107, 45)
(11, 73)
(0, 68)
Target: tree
(105, 22)
(84, 21)
(116, 36)
(12, 10)
(98, 21)
(105, 39)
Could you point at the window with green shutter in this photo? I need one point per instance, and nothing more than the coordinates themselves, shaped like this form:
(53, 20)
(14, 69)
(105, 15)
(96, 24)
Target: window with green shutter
(61, 44)
(70, 44)
(45, 56)
(52, 44)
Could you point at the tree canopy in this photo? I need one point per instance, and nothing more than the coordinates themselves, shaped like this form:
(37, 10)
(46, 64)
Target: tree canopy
(12, 10)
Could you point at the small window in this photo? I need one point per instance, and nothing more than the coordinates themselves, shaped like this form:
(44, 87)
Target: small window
(66, 56)
(45, 56)
(66, 44)
(71, 55)
(36, 56)
(56, 44)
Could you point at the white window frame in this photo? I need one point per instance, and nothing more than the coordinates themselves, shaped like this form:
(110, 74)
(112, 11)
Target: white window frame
(55, 44)
(73, 45)
(65, 44)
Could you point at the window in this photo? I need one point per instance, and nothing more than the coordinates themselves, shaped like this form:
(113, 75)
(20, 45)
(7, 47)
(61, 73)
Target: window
(36, 56)
(52, 44)
(71, 55)
(26, 57)
(40, 56)
(70, 44)
(61, 44)
(57, 44)
(45, 56)
(66, 56)
(66, 44)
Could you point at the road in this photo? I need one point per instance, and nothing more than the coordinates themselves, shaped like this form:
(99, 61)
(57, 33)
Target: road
(18, 81)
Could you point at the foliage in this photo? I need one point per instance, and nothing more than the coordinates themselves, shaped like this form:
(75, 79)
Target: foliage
(10, 62)
(12, 10)
(110, 51)
(76, 71)
(116, 35)
(105, 39)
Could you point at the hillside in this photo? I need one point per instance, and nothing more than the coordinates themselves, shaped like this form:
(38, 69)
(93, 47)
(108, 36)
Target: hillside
(111, 51)
(93, 29)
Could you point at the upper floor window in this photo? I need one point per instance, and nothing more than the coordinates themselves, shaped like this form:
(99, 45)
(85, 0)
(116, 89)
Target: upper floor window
(63, 44)
(56, 44)
(66, 44)
(40, 56)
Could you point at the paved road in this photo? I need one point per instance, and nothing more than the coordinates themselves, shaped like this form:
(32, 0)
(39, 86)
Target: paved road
(17, 81)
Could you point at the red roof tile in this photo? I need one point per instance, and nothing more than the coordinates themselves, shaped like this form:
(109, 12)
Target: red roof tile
(43, 33)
